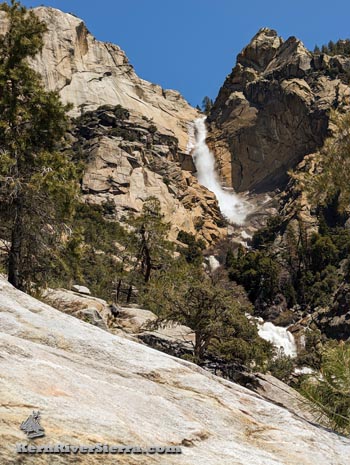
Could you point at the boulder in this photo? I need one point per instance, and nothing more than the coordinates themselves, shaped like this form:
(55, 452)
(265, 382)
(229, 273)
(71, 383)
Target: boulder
(90, 315)
(81, 289)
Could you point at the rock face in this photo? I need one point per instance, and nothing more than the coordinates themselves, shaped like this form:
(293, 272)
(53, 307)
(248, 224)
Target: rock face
(89, 73)
(128, 159)
(94, 387)
(131, 322)
(272, 110)
(173, 339)
(335, 321)
(280, 393)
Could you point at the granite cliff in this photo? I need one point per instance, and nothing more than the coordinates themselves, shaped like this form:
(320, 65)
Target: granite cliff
(272, 110)
(89, 73)
(131, 134)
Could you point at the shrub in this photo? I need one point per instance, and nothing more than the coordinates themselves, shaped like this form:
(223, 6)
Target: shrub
(281, 366)
(330, 392)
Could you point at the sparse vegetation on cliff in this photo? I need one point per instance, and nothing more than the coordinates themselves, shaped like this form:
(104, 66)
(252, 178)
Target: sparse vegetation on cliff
(341, 47)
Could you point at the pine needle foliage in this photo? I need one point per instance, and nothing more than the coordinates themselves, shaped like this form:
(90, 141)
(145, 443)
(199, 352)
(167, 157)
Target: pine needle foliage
(37, 181)
(330, 392)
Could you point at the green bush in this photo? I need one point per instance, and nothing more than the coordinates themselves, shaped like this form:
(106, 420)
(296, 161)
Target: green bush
(126, 134)
(121, 113)
(256, 272)
(281, 366)
(266, 236)
(330, 391)
(193, 253)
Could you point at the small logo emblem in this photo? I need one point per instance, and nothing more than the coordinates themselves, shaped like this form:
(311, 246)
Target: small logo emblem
(32, 427)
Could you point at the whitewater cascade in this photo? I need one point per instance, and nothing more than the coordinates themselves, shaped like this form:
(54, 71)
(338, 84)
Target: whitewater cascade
(235, 209)
(279, 337)
(232, 206)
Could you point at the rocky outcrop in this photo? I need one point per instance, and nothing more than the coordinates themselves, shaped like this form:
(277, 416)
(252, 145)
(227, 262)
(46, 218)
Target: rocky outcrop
(131, 134)
(273, 110)
(174, 339)
(94, 387)
(89, 73)
(128, 159)
(134, 323)
(334, 321)
(85, 307)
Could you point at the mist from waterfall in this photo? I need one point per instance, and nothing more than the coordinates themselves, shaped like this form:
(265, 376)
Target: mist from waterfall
(232, 206)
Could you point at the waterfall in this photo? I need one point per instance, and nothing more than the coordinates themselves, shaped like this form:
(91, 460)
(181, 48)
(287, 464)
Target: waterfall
(235, 209)
(232, 206)
(280, 337)
(214, 263)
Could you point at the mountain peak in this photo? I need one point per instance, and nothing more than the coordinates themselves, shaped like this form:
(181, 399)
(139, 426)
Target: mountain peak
(261, 49)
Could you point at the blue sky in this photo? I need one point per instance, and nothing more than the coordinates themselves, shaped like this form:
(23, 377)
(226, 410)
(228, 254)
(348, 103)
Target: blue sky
(191, 45)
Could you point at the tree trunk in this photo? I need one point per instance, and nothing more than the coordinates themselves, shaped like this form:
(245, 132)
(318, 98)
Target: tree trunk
(15, 256)
(198, 346)
(118, 290)
(148, 264)
(146, 257)
(129, 294)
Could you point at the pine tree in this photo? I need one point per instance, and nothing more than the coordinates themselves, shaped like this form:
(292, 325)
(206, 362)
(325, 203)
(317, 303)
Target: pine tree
(330, 392)
(150, 236)
(317, 49)
(331, 46)
(37, 182)
(207, 105)
(214, 309)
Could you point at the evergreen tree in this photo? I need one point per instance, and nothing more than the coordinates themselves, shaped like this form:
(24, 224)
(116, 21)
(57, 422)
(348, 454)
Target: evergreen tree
(341, 47)
(331, 46)
(193, 253)
(37, 182)
(212, 308)
(150, 245)
(317, 49)
(330, 393)
(207, 105)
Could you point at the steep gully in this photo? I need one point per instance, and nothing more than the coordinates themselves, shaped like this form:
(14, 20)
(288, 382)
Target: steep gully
(236, 209)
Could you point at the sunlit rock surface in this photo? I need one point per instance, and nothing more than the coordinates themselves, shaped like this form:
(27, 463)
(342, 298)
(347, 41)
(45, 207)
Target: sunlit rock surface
(273, 109)
(92, 386)
(89, 73)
